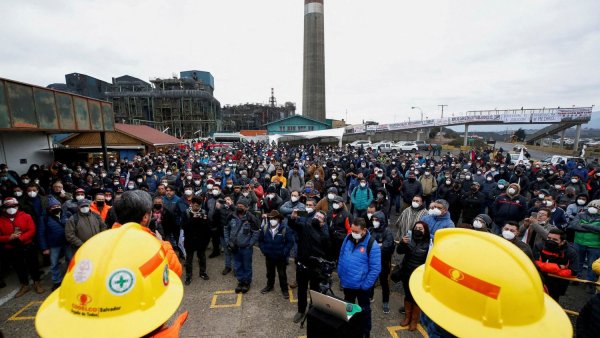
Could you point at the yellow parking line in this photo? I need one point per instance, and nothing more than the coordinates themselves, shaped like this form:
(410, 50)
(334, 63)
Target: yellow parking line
(23, 309)
(393, 330)
(292, 298)
(213, 302)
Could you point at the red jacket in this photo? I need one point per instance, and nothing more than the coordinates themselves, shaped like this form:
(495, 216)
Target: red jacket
(7, 228)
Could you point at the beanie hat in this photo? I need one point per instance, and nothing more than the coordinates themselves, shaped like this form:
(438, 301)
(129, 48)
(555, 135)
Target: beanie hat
(593, 204)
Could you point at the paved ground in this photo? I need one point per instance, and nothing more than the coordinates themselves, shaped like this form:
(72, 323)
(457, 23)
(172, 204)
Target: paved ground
(215, 311)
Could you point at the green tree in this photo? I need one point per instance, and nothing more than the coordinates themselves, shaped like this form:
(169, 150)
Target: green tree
(520, 135)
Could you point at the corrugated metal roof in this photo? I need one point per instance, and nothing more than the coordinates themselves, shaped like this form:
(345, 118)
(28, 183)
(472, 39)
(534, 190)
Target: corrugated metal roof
(147, 134)
(124, 135)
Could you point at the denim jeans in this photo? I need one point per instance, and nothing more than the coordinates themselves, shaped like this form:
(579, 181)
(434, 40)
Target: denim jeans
(592, 255)
(227, 252)
(55, 266)
(242, 264)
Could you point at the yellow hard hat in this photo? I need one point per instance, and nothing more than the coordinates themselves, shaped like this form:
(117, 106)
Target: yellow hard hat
(476, 284)
(118, 284)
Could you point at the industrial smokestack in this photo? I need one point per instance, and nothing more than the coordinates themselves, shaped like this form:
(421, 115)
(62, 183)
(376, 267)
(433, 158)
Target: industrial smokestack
(313, 89)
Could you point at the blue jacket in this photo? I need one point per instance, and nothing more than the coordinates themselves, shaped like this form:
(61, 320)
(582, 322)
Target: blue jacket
(279, 247)
(436, 223)
(51, 233)
(356, 268)
(361, 197)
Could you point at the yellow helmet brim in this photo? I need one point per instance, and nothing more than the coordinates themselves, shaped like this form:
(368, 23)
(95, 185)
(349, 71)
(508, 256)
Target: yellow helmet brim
(55, 321)
(554, 322)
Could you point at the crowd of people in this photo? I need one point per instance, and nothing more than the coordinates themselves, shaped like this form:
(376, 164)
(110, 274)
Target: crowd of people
(372, 213)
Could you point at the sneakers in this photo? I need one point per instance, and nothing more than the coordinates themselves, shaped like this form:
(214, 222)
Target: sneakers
(285, 294)
(386, 307)
(23, 290)
(266, 289)
(204, 276)
(188, 280)
(238, 288)
(226, 271)
(37, 287)
(298, 317)
(245, 288)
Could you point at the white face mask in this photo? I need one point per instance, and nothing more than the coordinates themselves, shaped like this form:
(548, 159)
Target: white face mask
(316, 176)
(574, 180)
(376, 224)
(245, 194)
(448, 182)
(333, 177)
(84, 210)
(330, 196)
(79, 197)
(196, 182)
(477, 224)
(435, 212)
(356, 236)
(32, 194)
(169, 173)
(512, 191)
(139, 180)
(369, 215)
(11, 211)
(26, 181)
(549, 203)
(500, 186)
(310, 210)
(131, 186)
(209, 186)
(557, 186)
(188, 192)
(592, 210)
(508, 235)
(216, 192)
(581, 202)
(489, 179)
(363, 185)
(273, 222)
(294, 199)
(336, 206)
(18, 193)
(415, 205)
(541, 196)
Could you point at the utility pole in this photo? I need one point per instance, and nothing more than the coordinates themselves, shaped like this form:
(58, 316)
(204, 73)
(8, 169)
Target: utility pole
(442, 105)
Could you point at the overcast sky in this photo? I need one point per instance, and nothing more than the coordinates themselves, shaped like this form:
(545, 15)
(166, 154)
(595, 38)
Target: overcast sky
(381, 56)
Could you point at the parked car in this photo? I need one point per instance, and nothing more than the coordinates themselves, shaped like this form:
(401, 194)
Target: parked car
(409, 147)
(361, 143)
(556, 159)
(518, 147)
(389, 147)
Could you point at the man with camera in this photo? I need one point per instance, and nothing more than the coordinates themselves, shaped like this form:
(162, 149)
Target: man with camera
(241, 233)
(313, 242)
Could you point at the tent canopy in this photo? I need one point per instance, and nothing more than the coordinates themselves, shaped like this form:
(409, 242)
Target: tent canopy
(337, 133)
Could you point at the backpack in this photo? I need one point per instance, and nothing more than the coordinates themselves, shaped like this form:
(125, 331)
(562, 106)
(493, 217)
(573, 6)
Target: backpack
(369, 244)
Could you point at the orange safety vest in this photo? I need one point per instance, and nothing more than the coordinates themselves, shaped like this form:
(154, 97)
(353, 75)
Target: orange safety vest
(94, 209)
(173, 330)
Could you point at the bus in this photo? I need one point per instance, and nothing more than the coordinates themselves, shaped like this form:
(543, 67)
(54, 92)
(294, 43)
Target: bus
(229, 138)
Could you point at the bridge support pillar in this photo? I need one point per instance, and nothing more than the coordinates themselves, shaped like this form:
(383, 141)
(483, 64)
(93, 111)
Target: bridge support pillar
(576, 143)
(418, 134)
(466, 135)
(562, 138)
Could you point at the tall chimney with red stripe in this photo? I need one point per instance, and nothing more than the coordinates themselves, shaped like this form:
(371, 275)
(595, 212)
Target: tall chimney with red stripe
(313, 89)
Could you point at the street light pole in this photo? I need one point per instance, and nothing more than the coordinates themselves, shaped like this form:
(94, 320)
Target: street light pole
(442, 105)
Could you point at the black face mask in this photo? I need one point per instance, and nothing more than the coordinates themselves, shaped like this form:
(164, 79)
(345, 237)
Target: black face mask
(551, 245)
(315, 223)
(240, 211)
(411, 179)
(158, 206)
(100, 203)
(418, 234)
(55, 212)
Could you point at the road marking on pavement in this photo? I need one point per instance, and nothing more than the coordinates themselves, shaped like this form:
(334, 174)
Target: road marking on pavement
(292, 298)
(8, 297)
(393, 330)
(23, 309)
(213, 302)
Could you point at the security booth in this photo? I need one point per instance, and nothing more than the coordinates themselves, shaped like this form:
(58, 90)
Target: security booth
(30, 115)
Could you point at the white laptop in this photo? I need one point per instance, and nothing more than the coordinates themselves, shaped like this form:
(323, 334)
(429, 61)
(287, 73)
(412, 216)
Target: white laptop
(330, 305)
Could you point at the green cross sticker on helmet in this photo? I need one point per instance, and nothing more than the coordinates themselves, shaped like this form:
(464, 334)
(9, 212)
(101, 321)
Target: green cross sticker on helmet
(120, 282)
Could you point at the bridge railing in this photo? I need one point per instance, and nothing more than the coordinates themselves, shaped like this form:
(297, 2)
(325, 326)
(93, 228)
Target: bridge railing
(509, 116)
